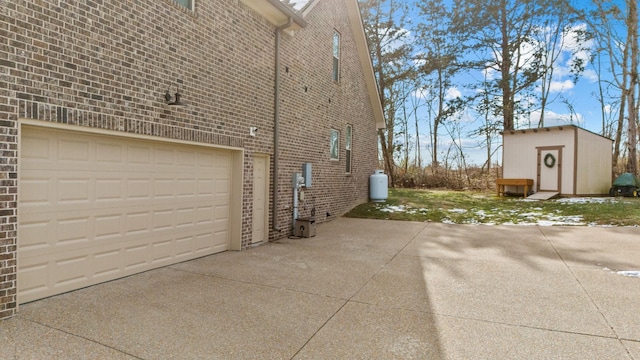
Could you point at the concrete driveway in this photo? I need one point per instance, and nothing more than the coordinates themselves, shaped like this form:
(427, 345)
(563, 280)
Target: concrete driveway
(361, 289)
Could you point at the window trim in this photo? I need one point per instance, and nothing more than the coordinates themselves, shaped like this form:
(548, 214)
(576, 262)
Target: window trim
(334, 145)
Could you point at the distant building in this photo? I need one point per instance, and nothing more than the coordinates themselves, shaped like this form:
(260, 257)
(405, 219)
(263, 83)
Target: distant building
(565, 159)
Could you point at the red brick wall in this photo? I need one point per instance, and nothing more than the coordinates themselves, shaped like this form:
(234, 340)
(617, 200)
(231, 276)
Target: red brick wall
(107, 64)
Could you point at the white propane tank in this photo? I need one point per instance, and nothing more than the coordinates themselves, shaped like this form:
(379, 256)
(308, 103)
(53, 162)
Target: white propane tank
(378, 186)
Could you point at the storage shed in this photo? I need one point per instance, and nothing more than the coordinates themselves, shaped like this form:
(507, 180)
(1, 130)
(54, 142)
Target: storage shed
(564, 159)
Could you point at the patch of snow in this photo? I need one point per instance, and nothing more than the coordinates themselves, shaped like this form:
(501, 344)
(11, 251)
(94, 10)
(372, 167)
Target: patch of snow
(532, 214)
(629, 273)
(447, 221)
(589, 200)
(483, 214)
(458, 211)
(393, 208)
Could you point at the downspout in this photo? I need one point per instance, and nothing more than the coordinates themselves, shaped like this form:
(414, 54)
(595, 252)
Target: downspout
(276, 125)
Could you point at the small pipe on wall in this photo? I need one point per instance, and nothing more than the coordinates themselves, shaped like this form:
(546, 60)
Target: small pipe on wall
(276, 125)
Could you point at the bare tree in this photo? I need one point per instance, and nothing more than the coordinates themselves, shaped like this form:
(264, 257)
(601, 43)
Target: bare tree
(437, 57)
(500, 34)
(386, 37)
(615, 26)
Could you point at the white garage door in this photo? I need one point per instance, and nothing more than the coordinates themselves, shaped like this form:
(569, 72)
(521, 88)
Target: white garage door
(94, 208)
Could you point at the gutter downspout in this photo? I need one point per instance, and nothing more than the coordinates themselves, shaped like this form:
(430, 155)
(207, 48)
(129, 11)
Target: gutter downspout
(276, 125)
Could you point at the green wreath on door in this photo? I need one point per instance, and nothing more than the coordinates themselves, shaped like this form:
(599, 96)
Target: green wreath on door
(549, 160)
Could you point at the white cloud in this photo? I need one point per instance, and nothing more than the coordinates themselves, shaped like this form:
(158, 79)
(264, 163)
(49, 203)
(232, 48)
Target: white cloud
(552, 118)
(452, 93)
(401, 38)
(559, 86)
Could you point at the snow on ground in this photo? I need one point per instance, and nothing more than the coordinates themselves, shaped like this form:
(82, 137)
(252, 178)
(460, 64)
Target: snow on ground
(393, 208)
(587, 200)
(630, 273)
(535, 217)
(458, 211)
(402, 208)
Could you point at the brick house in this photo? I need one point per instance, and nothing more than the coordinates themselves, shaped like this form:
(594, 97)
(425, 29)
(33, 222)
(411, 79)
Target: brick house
(102, 177)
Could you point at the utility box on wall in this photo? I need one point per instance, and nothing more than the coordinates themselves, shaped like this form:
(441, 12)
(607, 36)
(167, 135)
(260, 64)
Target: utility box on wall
(306, 174)
(305, 227)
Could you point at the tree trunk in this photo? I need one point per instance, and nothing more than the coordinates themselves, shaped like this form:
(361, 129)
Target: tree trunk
(632, 41)
(505, 68)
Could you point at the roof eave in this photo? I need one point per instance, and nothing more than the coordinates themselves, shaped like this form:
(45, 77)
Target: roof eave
(365, 61)
(277, 13)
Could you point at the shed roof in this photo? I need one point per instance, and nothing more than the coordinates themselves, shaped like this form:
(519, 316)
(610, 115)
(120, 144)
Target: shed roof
(550, 128)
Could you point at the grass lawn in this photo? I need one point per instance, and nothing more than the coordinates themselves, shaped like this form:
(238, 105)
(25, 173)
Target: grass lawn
(465, 207)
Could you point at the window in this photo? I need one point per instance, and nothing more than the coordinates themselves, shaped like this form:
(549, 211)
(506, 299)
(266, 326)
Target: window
(186, 3)
(335, 143)
(336, 56)
(347, 147)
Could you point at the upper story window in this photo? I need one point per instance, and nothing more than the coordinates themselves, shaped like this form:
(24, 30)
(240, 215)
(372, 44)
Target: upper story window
(336, 56)
(186, 3)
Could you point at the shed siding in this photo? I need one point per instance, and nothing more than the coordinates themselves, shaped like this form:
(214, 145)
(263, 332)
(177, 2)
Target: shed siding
(593, 166)
(520, 154)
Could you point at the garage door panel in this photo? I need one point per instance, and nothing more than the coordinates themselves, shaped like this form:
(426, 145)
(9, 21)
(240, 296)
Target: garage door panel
(186, 159)
(163, 188)
(73, 150)
(139, 155)
(205, 187)
(39, 233)
(166, 157)
(73, 190)
(37, 147)
(74, 232)
(110, 207)
(108, 189)
(107, 226)
(35, 191)
(138, 188)
(109, 153)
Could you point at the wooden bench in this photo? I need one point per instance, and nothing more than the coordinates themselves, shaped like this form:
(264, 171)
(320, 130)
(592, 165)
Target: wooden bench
(501, 183)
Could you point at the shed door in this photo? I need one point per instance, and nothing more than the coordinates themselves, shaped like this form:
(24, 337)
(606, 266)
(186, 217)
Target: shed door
(549, 169)
(94, 208)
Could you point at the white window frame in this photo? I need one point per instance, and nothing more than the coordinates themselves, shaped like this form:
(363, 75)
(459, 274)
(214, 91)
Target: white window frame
(334, 145)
